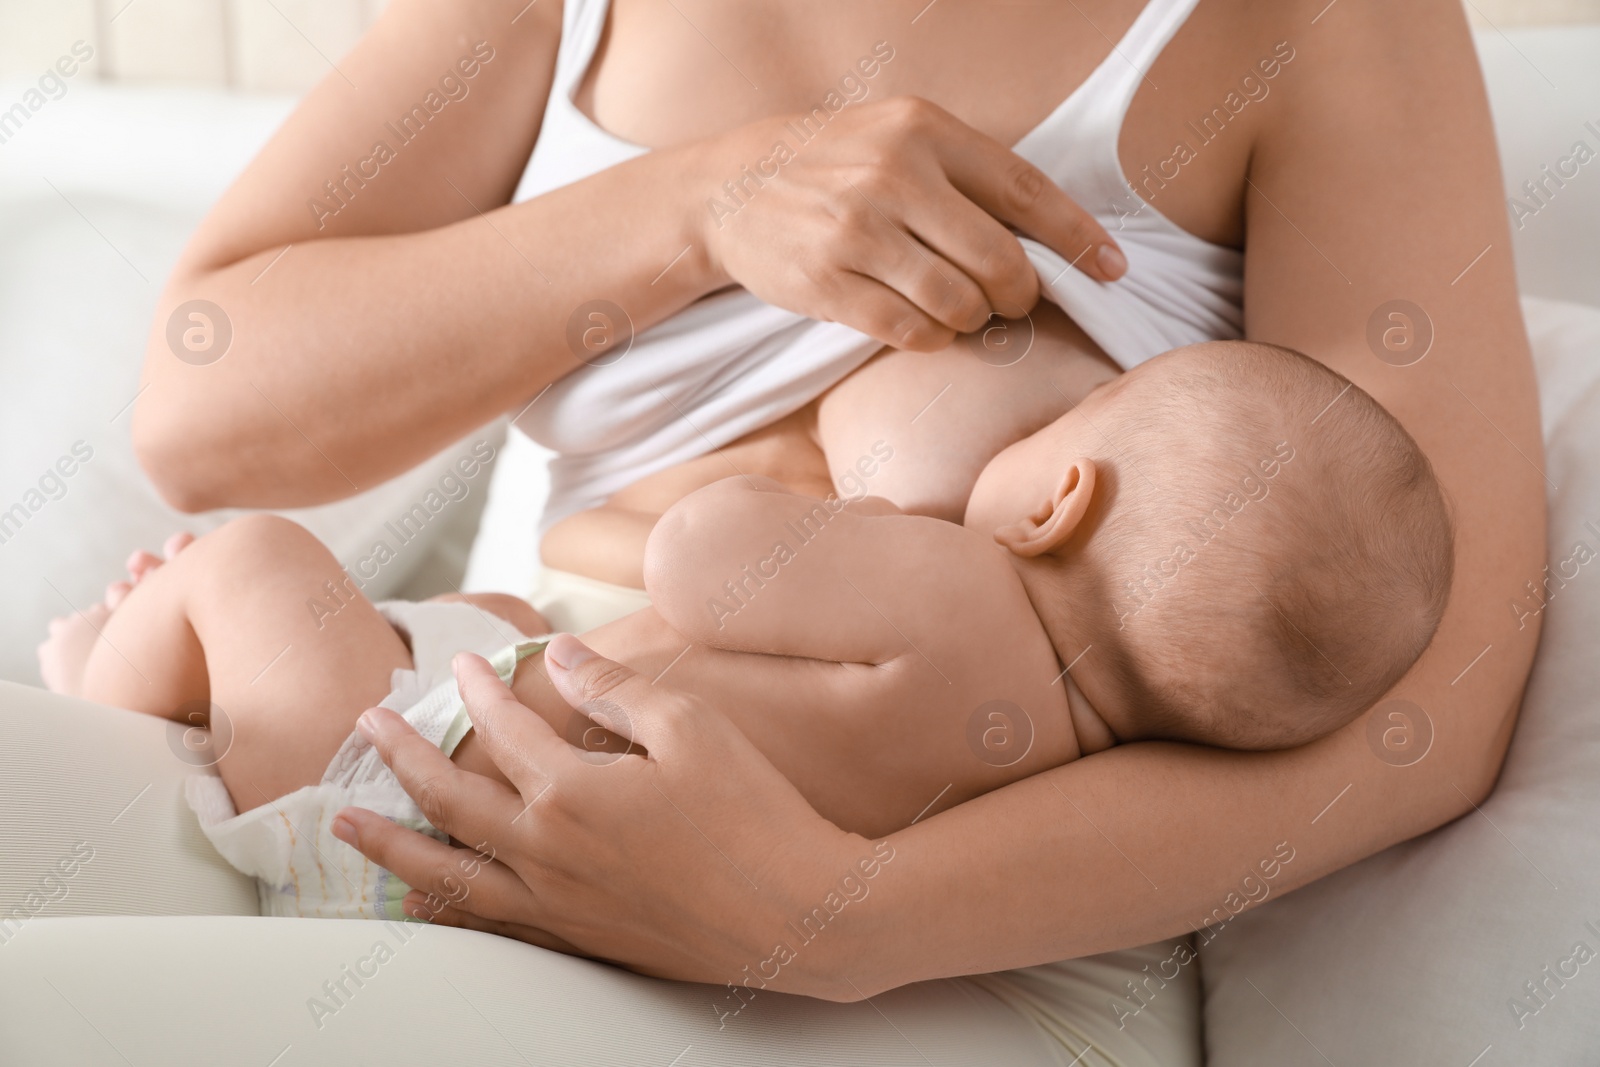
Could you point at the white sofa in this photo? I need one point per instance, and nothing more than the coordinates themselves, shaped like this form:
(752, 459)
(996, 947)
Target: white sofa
(1414, 957)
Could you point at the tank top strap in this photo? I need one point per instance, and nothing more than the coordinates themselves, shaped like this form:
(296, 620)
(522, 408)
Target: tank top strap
(582, 23)
(1137, 51)
(1077, 144)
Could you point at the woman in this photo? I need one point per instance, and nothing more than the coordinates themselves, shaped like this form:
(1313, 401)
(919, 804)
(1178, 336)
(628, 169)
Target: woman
(1360, 174)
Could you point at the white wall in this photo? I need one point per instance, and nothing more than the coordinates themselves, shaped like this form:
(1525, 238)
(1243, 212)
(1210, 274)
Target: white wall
(258, 45)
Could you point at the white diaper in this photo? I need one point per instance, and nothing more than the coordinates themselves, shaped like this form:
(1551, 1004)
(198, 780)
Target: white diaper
(288, 845)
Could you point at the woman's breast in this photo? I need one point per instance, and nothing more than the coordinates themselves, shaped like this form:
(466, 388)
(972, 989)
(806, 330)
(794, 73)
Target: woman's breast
(608, 542)
(915, 428)
(786, 451)
(928, 422)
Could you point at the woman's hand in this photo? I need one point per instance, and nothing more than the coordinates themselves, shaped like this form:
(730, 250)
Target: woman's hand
(892, 220)
(683, 861)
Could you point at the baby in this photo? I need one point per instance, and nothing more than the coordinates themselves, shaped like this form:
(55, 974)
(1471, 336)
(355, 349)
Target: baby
(1229, 545)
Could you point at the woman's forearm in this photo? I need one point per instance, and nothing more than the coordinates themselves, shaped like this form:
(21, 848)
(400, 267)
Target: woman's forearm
(353, 358)
(381, 297)
(1140, 843)
(1155, 840)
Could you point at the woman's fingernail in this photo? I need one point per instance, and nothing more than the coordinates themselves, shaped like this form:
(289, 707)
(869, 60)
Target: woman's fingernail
(367, 726)
(344, 830)
(1112, 262)
(567, 652)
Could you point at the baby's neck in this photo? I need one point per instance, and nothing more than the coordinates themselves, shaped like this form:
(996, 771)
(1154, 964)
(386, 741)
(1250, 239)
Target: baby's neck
(1063, 597)
(1060, 596)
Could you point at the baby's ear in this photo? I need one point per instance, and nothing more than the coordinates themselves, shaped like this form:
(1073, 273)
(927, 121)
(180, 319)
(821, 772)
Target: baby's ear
(1053, 524)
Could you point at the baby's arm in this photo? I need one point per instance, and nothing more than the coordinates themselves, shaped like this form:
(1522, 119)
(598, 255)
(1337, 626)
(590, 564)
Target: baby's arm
(746, 565)
(936, 614)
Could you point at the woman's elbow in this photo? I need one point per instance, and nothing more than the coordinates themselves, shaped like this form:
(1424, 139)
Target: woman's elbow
(175, 454)
(1475, 770)
(1484, 773)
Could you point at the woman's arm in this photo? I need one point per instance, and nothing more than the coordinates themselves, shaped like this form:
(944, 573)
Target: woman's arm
(1376, 182)
(368, 337)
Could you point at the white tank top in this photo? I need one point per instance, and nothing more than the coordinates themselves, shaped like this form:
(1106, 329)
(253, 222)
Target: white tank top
(731, 363)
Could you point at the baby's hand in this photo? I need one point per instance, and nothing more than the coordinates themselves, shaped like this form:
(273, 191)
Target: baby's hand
(64, 654)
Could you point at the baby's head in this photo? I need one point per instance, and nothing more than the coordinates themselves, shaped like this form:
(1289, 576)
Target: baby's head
(1256, 550)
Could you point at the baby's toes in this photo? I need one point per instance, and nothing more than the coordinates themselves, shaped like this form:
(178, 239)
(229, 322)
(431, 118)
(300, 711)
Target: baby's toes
(141, 563)
(177, 543)
(116, 592)
(95, 615)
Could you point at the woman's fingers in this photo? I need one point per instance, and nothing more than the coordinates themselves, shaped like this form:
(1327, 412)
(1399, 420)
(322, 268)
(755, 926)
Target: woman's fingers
(895, 224)
(1025, 198)
(941, 290)
(1015, 191)
(665, 865)
(446, 876)
(519, 741)
(891, 318)
(430, 909)
(979, 244)
(464, 805)
(615, 697)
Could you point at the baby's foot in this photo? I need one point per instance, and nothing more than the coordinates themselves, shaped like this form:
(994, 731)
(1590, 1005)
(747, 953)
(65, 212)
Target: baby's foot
(65, 652)
(141, 563)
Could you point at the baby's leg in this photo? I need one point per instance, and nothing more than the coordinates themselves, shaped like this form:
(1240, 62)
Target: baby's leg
(232, 620)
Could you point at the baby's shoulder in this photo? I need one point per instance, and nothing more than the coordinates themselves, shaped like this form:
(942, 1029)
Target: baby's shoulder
(975, 646)
(970, 594)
